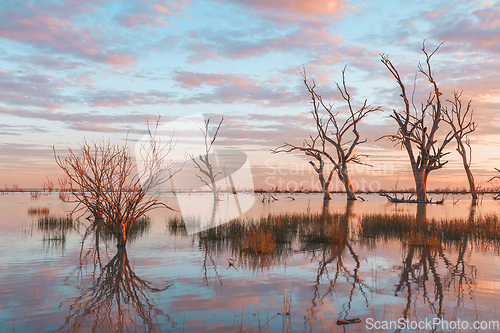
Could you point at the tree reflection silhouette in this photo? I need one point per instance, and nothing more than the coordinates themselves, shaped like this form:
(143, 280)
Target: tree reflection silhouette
(118, 301)
(420, 273)
(335, 253)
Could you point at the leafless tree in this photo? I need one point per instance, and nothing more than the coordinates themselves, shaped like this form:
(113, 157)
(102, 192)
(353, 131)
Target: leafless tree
(205, 164)
(415, 134)
(48, 185)
(103, 180)
(310, 148)
(462, 125)
(343, 136)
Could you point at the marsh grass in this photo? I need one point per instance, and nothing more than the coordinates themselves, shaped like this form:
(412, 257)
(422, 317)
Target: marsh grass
(483, 228)
(54, 229)
(176, 226)
(324, 229)
(34, 211)
(419, 238)
(140, 227)
(271, 234)
(55, 223)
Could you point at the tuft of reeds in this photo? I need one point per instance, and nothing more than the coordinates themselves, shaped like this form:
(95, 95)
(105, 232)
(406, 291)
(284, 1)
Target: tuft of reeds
(176, 226)
(54, 229)
(420, 238)
(33, 211)
(55, 223)
(481, 228)
(324, 228)
(271, 234)
(141, 226)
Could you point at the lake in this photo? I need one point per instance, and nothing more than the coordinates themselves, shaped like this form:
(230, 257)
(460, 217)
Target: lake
(218, 281)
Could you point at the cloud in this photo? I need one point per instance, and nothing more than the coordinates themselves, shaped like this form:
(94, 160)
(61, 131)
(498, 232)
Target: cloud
(47, 62)
(31, 89)
(236, 45)
(128, 20)
(230, 88)
(37, 26)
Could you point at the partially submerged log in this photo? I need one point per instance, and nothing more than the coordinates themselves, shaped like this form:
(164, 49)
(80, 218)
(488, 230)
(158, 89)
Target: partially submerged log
(410, 200)
(348, 321)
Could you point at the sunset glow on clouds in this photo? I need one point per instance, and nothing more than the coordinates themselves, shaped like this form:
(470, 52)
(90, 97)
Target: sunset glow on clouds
(73, 70)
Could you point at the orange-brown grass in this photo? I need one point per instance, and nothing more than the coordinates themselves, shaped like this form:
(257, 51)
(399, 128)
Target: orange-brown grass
(480, 229)
(257, 242)
(420, 238)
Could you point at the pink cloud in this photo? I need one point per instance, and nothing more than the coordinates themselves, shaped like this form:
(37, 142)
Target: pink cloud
(213, 45)
(162, 9)
(294, 7)
(191, 79)
(47, 32)
(435, 14)
(230, 88)
(129, 20)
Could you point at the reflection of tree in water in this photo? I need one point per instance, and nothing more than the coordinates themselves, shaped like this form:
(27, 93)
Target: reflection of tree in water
(335, 254)
(426, 245)
(117, 301)
(267, 242)
(435, 264)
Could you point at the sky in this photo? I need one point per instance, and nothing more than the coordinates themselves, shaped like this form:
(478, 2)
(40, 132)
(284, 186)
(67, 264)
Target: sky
(88, 70)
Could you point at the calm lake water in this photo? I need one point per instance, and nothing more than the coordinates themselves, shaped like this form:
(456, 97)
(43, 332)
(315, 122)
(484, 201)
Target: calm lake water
(52, 281)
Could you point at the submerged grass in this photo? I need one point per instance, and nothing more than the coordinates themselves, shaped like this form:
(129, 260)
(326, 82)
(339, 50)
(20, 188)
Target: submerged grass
(34, 211)
(55, 223)
(275, 233)
(271, 233)
(414, 231)
(139, 228)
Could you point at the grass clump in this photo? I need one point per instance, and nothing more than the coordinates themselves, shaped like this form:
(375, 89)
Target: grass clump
(271, 233)
(325, 229)
(140, 226)
(419, 238)
(55, 223)
(412, 230)
(34, 211)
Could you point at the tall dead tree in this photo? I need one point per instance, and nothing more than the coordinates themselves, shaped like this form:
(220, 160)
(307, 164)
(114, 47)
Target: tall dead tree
(342, 136)
(205, 162)
(462, 125)
(415, 133)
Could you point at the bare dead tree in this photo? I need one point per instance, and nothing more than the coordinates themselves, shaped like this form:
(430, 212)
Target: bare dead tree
(48, 185)
(416, 135)
(496, 187)
(462, 125)
(205, 165)
(103, 180)
(309, 147)
(343, 136)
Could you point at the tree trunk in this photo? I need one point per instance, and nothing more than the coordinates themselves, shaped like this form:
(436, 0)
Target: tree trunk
(470, 177)
(121, 239)
(325, 184)
(344, 178)
(216, 193)
(421, 212)
(326, 206)
(421, 184)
